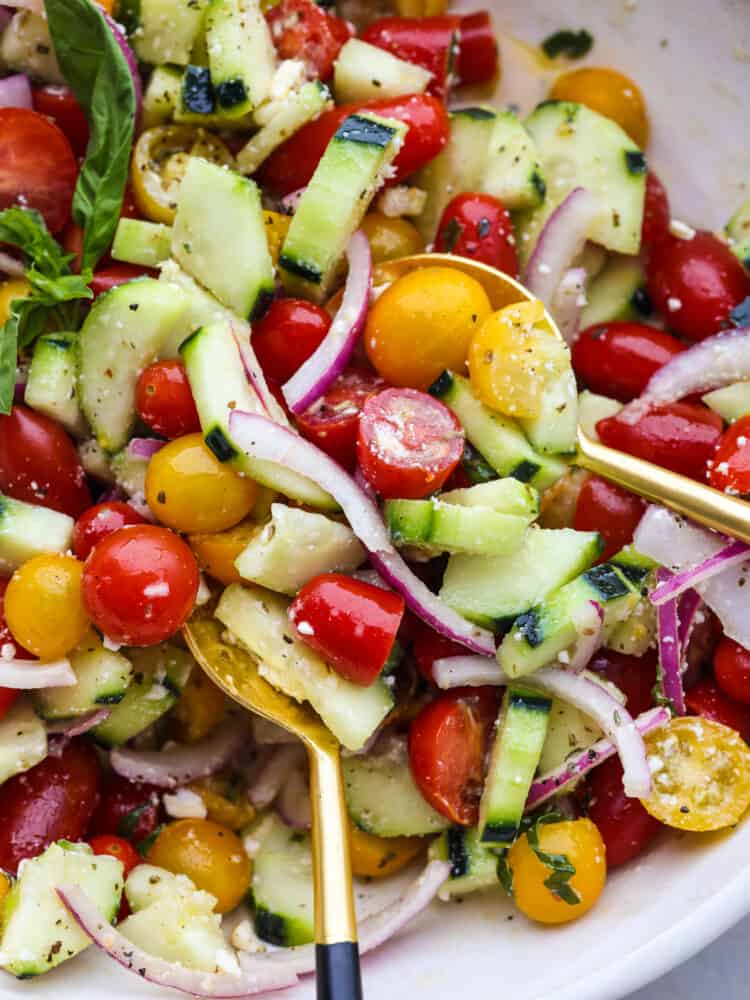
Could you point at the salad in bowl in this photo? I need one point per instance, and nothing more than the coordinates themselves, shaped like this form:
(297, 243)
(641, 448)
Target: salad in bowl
(246, 373)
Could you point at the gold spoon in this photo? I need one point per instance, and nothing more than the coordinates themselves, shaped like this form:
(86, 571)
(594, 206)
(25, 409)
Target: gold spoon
(695, 501)
(236, 673)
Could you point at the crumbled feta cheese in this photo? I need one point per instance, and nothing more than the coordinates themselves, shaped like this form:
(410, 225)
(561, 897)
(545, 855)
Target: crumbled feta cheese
(156, 693)
(244, 938)
(160, 589)
(401, 200)
(227, 962)
(112, 645)
(673, 303)
(305, 628)
(185, 804)
(8, 651)
(681, 230)
(204, 594)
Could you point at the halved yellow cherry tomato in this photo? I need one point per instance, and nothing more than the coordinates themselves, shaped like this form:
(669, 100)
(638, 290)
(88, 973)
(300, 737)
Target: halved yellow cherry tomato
(377, 857)
(4, 886)
(200, 708)
(217, 551)
(513, 357)
(160, 159)
(225, 799)
(16, 288)
(609, 92)
(701, 775)
(581, 843)
(390, 238)
(277, 226)
(43, 605)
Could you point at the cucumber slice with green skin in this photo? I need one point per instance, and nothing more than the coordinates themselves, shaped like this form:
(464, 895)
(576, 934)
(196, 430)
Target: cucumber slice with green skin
(298, 109)
(553, 431)
(507, 496)
(498, 438)
(51, 385)
(473, 866)
(493, 591)
(259, 620)
(282, 887)
(138, 242)
(514, 172)
(522, 728)
(542, 633)
(634, 566)
(568, 730)
(295, 546)
(738, 231)
(383, 798)
(168, 30)
(102, 678)
(23, 740)
(123, 333)
(161, 97)
(581, 148)
(364, 72)
(335, 201)
(27, 530)
(213, 202)
(476, 468)
(731, 402)
(241, 55)
(160, 674)
(592, 408)
(453, 528)
(618, 293)
(217, 377)
(38, 931)
(637, 634)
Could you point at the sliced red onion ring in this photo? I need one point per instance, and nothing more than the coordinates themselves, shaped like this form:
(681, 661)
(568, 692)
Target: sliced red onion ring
(294, 802)
(144, 448)
(568, 302)
(130, 58)
(10, 266)
(32, 675)
(687, 611)
(670, 653)
(171, 768)
(290, 201)
(314, 377)
(257, 976)
(257, 379)
(79, 726)
(15, 92)
(591, 698)
(5, 17)
(261, 438)
(560, 242)
(272, 776)
(583, 761)
(588, 622)
(672, 585)
(468, 671)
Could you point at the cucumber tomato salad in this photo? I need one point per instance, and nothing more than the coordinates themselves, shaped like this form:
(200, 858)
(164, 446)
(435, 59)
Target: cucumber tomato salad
(219, 397)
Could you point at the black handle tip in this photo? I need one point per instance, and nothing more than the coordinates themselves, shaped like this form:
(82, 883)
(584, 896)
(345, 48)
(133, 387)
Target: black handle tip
(337, 971)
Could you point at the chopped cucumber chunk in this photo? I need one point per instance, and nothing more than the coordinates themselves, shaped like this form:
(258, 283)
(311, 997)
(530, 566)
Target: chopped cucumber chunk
(282, 886)
(553, 430)
(27, 530)
(453, 528)
(617, 293)
(731, 402)
(513, 173)
(364, 72)
(241, 55)
(168, 30)
(161, 96)
(102, 678)
(738, 231)
(592, 408)
(138, 242)
(473, 866)
(23, 740)
(51, 386)
(508, 496)
(301, 107)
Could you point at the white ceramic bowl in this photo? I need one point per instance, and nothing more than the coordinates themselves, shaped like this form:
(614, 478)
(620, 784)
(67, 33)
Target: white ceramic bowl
(691, 60)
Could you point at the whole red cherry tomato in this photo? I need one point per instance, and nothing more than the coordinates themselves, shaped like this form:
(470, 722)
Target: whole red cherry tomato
(114, 274)
(656, 214)
(626, 828)
(300, 29)
(696, 283)
(164, 400)
(479, 226)
(39, 463)
(408, 444)
(127, 809)
(352, 623)
(478, 54)
(609, 509)
(99, 521)
(429, 646)
(292, 165)
(730, 465)
(618, 359)
(681, 436)
(732, 670)
(429, 42)
(707, 699)
(52, 801)
(448, 743)
(288, 335)
(139, 584)
(59, 103)
(635, 676)
(332, 423)
(117, 847)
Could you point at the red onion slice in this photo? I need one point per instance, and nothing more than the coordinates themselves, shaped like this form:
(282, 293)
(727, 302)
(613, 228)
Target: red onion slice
(171, 768)
(32, 675)
(670, 674)
(130, 58)
(5, 17)
(583, 761)
(467, 671)
(79, 726)
(261, 438)
(15, 92)
(568, 302)
(290, 201)
(588, 622)
(257, 379)
(560, 242)
(257, 976)
(331, 357)
(672, 585)
(294, 802)
(687, 611)
(272, 776)
(144, 448)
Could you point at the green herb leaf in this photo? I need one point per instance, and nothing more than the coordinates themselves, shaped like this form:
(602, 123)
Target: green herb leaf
(8, 354)
(740, 315)
(505, 873)
(561, 869)
(452, 234)
(97, 72)
(573, 44)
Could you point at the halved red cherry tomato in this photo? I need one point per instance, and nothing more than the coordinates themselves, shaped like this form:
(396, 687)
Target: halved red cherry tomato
(300, 29)
(333, 422)
(52, 801)
(37, 166)
(429, 646)
(117, 847)
(730, 465)
(107, 278)
(625, 826)
(352, 623)
(127, 809)
(478, 54)
(618, 359)
(408, 444)
(656, 214)
(59, 103)
(99, 521)
(39, 463)
(288, 334)
(707, 699)
(139, 584)
(448, 743)
(430, 42)
(479, 226)
(732, 670)
(635, 676)
(681, 436)
(292, 165)
(696, 283)
(164, 400)
(609, 509)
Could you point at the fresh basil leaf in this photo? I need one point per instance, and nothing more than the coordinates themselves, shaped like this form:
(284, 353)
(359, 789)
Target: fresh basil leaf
(505, 873)
(573, 44)
(26, 229)
(558, 885)
(8, 355)
(561, 868)
(96, 70)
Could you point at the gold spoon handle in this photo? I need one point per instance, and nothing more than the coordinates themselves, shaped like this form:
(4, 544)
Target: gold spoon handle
(699, 503)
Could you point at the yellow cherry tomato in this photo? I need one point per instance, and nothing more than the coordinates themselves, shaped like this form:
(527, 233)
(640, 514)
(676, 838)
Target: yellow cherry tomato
(43, 605)
(391, 238)
(701, 775)
(217, 552)
(160, 159)
(225, 800)
(513, 357)
(378, 857)
(16, 288)
(190, 490)
(277, 226)
(199, 710)
(423, 324)
(210, 854)
(609, 92)
(581, 843)
(4, 886)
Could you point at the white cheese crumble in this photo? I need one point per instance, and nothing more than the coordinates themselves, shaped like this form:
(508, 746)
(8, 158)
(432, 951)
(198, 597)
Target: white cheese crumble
(185, 804)
(244, 938)
(402, 200)
(110, 644)
(227, 962)
(681, 230)
(8, 651)
(674, 304)
(204, 594)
